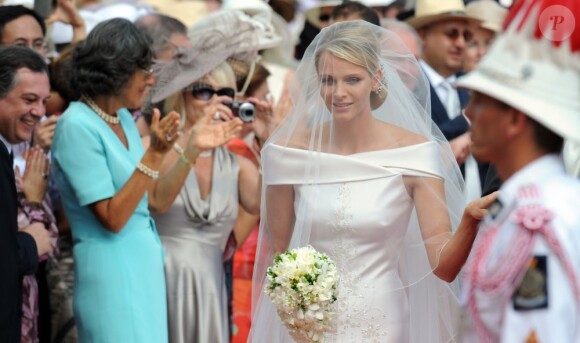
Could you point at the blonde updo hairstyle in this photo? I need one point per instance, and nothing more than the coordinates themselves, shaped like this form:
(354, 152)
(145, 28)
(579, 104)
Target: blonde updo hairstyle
(356, 43)
(222, 75)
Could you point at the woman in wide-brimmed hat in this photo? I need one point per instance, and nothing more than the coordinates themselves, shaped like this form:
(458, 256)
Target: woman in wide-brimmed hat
(196, 218)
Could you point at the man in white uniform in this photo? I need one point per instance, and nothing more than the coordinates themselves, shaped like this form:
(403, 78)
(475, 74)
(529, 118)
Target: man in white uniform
(523, 277)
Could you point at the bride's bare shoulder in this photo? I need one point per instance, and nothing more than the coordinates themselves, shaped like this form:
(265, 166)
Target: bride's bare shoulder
(301, 139)
(402, 137)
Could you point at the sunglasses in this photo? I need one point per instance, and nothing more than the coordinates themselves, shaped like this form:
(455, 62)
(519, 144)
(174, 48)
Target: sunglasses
(206, 92)
(455, 33)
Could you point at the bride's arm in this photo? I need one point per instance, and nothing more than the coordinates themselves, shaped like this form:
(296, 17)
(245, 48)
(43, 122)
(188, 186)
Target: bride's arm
(280, 215)
(447, 253)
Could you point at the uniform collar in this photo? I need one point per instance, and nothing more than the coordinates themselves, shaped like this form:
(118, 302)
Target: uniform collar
(535, 172)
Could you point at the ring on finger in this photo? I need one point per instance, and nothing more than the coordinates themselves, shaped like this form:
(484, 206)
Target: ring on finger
(217, 115)
(168, 138)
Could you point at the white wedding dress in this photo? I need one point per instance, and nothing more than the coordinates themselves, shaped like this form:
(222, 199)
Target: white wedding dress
(364, 219)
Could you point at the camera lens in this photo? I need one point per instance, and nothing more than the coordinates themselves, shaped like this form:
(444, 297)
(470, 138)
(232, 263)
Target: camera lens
(247, 112)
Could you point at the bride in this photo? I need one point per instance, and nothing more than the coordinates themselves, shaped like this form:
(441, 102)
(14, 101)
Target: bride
(359, 171)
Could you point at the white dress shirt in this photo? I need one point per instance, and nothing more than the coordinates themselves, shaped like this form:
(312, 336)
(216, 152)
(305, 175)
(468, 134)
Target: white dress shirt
(443, 88)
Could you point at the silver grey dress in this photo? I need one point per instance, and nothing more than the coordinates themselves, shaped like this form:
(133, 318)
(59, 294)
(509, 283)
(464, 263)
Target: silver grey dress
(194, 233)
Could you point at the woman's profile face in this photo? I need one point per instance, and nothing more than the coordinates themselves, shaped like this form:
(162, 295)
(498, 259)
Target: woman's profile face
(133, 93)
(477, 48)
(345, 87)
(262, 92)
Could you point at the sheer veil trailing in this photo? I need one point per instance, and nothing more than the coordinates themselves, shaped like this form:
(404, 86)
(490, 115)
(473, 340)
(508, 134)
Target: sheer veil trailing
(313, 135)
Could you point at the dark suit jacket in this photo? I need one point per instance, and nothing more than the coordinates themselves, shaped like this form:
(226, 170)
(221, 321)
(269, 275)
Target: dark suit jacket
(492, 181)
(452, 128)
(18, 254)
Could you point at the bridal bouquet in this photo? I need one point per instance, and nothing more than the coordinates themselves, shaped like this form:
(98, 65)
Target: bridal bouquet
(302, 285)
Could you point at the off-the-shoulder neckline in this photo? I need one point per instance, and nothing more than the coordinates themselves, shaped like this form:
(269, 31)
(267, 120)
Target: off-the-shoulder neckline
(356, 153)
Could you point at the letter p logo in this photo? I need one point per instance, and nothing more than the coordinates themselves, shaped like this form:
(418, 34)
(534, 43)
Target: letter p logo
(557, 23)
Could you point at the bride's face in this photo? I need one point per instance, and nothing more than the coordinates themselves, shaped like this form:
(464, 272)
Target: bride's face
(345, 87)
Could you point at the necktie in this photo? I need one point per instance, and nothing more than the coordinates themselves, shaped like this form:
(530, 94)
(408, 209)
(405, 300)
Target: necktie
(12, 158)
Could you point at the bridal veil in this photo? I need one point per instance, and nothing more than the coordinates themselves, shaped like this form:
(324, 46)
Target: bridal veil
(402, 100)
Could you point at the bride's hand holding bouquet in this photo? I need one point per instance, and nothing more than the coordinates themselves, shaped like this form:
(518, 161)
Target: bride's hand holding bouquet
(302, 284)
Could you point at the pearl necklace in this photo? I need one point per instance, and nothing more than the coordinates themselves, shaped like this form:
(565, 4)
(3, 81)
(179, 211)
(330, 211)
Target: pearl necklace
(106, 117)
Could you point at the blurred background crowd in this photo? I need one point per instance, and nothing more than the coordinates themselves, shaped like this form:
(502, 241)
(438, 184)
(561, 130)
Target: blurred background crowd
(201, 61)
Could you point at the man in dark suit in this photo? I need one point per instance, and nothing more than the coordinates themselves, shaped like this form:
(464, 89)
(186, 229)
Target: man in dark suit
(443, 28)
(24, 90)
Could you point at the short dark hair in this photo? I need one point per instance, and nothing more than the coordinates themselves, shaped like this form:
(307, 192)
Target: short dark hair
(398, 4)
(547, 139)
(544, 138)
(13, 58)
(160, 27)
(61, 75)
(103, 63)
(354, 7)
(10, 13)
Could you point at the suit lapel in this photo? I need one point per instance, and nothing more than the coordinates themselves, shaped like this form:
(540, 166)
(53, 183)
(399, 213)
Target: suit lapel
(438, 112)
(6, 167)
(463, 97)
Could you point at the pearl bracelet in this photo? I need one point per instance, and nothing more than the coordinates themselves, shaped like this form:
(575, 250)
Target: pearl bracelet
(154, 174)
(181, 153)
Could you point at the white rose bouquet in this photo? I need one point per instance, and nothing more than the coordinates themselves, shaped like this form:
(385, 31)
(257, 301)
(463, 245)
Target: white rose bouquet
(302, 284)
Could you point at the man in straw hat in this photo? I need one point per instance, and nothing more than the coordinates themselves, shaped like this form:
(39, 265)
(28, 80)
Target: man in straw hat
(522, 282)
(443, 27)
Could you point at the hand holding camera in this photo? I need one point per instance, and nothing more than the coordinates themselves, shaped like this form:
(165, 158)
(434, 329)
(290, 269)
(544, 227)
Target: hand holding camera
(264, 122)
(244, 110)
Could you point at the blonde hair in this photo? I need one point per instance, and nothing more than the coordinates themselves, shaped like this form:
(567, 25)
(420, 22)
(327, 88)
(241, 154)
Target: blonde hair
(222, 75)
(356, 43)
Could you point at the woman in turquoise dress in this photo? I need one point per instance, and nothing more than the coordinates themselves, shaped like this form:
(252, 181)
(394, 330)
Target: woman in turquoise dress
(104, 173)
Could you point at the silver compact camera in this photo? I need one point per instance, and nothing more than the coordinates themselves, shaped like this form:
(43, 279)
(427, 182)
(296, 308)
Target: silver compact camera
(246, 111)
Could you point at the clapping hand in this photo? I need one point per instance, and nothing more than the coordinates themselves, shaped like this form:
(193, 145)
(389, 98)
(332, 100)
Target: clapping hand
(35, 179)
(41, 237)
(44, 132)
(163, 132)
(66, 12)
(208, 133)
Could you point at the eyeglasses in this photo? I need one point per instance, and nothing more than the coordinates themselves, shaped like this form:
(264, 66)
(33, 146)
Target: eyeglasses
(206, 92)
(147, 71)
(455, 33)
